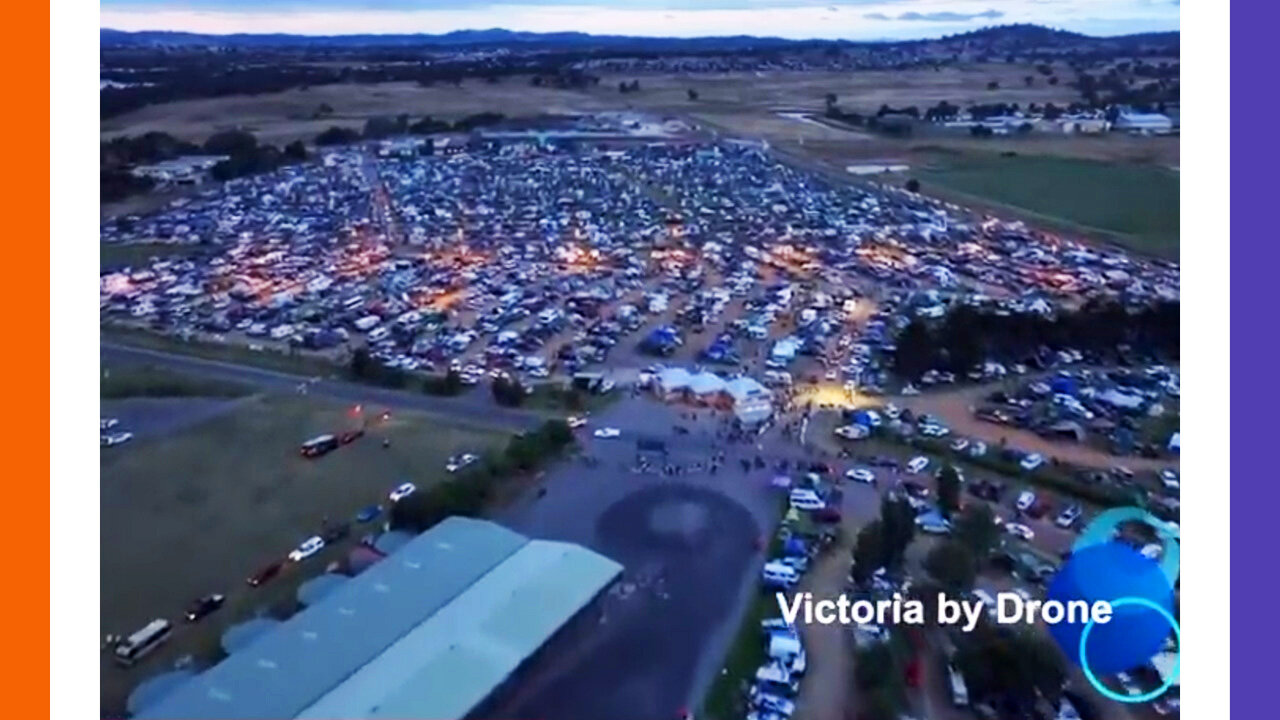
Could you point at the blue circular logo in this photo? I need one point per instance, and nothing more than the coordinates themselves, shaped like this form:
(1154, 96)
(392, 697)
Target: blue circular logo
(1139, 590)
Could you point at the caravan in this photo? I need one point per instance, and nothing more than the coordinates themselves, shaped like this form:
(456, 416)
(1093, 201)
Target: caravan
(779, 575)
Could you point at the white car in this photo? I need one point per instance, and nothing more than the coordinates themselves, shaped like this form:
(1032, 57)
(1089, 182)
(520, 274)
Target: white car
(1032, 461)
(977, 449)
(107, 423)
(458, 462)
(1020, 530)
(576, 421)
(861, 475)
(607, 432)
(116, 438)
(851, 432)
(917, 464)
(1170, 479)
(910, 390)
(959, 444)
(934, 430)
(1026, 500)
(309, 547)
(402, 491)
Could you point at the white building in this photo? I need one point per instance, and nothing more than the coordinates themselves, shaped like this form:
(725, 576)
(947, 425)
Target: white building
(1144, 123)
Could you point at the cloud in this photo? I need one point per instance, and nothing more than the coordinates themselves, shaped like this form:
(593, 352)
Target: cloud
(938, 16)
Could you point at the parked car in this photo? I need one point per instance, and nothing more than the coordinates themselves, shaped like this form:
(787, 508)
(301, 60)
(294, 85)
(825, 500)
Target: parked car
(606, 433)
(309, 547)
(204, 606)
(402, 491)
(1025, 500)
(1068, 516)
(368, 514)
(917, 464)
(457, 462)
(264, 574)
(1031, 462)
(862, 475)
(1020, 530)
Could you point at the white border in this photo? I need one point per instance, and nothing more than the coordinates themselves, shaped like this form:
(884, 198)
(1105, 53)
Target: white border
(75, 511)
(74, 492)
(1206, 602)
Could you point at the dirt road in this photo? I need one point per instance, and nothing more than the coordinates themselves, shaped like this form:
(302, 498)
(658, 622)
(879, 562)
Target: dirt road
(954, 407)
(825, 692)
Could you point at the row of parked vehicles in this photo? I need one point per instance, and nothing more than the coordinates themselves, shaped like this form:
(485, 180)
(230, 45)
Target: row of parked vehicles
(130, 650)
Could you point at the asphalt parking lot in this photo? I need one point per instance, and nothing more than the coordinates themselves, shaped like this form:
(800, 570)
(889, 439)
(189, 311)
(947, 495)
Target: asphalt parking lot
(688, 544)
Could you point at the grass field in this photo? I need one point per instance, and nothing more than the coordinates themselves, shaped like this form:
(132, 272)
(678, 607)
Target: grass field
(199, 511)
(1133, 205)
(270, 359)
(126, 381)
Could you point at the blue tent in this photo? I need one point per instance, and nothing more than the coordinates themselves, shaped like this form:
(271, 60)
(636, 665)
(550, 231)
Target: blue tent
(1063, 385)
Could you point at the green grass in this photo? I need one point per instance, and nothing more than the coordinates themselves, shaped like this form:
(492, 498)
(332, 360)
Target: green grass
(297, 363)
(1129, 204)
(151, 381)
(557, 400)
(114, 255)
(200, 510)
(724, 699)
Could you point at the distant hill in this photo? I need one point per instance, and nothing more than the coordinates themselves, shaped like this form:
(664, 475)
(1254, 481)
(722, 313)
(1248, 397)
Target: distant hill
(1014, 35)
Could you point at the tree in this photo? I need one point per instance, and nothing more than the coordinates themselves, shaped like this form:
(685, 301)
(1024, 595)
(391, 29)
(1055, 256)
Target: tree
(1029, 80)
(874, 666)
(295, 151)
(693, 94)
(993, 85)
(952, 564)
(231, 142)
(878, 704)
(913, 185)
(868, 551)
(898, 521)
(914, 352)
(1011, 664)
(977, 530)
(948, 491)
(337, 136)
(507, 391)
(831, 99)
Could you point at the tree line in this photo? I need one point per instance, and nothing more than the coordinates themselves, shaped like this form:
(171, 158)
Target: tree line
(967, 337)
(467, 493)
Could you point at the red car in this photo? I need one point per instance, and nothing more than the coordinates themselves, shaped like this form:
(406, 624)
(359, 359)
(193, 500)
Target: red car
(266, 573)
(828, 514)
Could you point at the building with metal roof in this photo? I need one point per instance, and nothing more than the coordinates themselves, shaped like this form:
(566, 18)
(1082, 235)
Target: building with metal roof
(429, 632)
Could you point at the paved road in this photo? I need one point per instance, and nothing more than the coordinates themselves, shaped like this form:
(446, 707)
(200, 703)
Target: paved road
(472, 409)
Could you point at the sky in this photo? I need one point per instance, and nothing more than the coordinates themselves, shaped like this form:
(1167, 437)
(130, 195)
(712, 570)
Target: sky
(797, 19)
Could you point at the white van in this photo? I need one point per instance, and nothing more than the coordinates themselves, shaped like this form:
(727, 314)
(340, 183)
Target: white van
(917, 464)
(805, 499)
(776, 574)
(777, 377)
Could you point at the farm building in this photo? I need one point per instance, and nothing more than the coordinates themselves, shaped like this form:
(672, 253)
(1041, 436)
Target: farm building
(1151, 123)
(436, 630)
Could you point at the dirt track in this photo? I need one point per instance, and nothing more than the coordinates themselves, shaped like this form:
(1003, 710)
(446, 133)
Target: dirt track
(954, 407)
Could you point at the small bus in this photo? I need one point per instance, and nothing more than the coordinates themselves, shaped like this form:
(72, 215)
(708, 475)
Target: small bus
(139, 644)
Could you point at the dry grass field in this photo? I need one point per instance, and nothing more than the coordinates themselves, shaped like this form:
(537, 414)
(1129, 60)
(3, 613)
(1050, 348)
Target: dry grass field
(763, 105)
